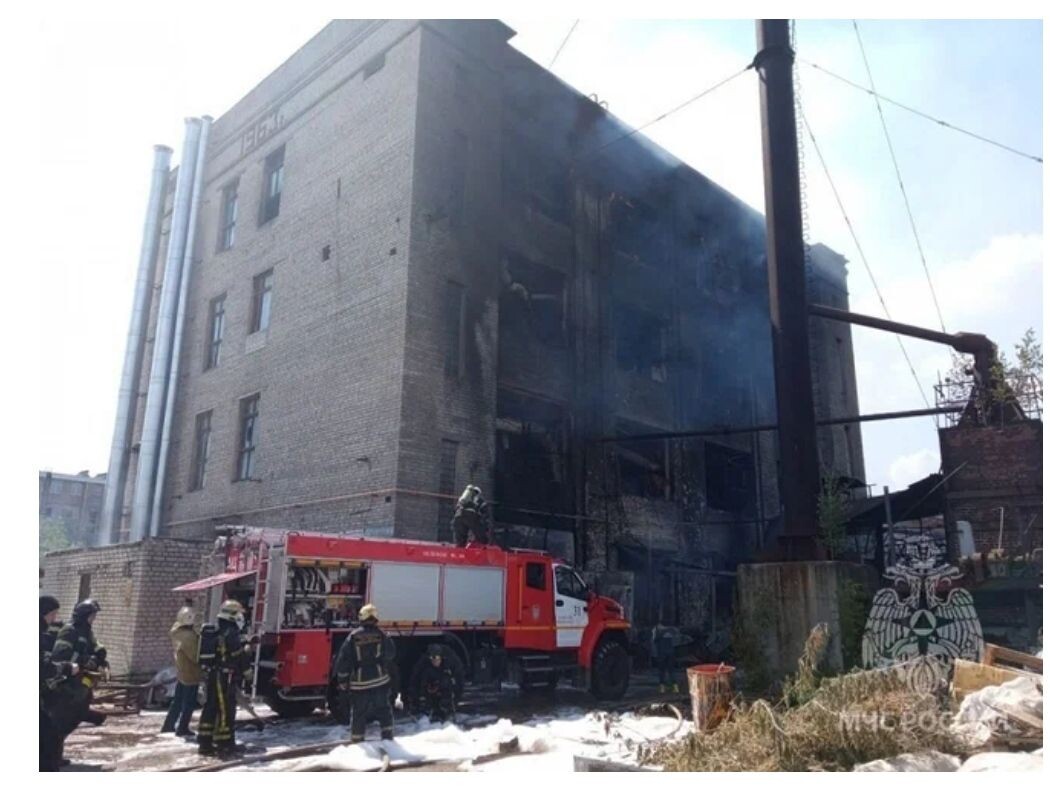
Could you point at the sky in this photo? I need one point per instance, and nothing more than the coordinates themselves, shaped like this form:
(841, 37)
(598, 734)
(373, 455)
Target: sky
(106, 91)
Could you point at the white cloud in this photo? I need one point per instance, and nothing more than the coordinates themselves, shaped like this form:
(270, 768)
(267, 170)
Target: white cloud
(906, 469)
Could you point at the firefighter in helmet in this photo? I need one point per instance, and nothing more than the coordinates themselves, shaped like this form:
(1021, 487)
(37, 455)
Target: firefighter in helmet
(52, 673)
(469, 523)
(186, 643)
(433, 685)
(363, 669)
(76, 644)
(224, 659)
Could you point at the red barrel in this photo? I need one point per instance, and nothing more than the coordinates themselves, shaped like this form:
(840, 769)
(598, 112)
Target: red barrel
(711, 691)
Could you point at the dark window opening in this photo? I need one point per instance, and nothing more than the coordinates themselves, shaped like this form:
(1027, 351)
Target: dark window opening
(216, 325)
(84, 590)
(536, 179)
(531, 459)
(447, 487)
(635, 230)
(374, 65)
(228, 216)
(532, 301)
(536, 575)
(201, 443)
(455, 334)
(645, 467)
(249, 426)
(457, 168)
(641, 342)
(262, 298)
(729, 478)
(273, 185)
(326, 252)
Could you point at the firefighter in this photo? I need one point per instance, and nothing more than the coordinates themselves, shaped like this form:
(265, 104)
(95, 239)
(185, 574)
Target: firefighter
(469, 524)
(663, 639)
(76, 644)
(186, 641)
(363, 669)
(224, 659)
(434, 685)
(51, 674)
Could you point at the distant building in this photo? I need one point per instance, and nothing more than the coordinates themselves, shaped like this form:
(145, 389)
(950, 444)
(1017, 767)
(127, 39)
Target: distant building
(73, 500)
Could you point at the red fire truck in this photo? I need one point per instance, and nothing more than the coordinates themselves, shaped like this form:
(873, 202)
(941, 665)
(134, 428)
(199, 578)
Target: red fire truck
(520, 616)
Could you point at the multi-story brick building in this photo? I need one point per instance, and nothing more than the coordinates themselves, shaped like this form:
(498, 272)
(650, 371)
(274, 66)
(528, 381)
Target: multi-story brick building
(73, 500)
(422, 260)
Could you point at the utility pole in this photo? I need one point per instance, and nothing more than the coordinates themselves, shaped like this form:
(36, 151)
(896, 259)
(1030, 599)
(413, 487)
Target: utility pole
(788, 307)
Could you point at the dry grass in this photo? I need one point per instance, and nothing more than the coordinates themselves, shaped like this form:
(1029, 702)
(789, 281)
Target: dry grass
(842, 721)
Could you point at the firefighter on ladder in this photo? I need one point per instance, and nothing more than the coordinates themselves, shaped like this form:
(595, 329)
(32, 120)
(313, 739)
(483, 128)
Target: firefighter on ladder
(469, 523)
(224, 659)
(363, 669)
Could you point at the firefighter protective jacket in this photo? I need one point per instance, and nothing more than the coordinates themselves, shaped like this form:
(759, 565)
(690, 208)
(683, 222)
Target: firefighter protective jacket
(365, 658)
(77, 644)
(221, 647)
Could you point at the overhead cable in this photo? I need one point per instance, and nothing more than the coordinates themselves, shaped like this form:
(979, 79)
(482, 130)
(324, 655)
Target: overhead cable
(563, 43)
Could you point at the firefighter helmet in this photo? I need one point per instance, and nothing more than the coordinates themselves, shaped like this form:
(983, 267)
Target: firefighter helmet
(86, 608)
(434, 650)
(368, 612)
(233, 611)
(185, 616)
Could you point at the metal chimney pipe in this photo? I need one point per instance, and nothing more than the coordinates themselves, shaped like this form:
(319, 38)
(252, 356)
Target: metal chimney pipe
(156, 395)
(116, 476)
(180, 318)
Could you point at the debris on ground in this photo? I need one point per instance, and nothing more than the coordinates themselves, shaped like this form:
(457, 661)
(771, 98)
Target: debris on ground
(1013, 709)
(1005, 761)
(913, 761)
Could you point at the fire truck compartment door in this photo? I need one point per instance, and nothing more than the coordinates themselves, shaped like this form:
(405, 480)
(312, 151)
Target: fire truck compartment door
(405, 592)
(473, 595)
(570, 606)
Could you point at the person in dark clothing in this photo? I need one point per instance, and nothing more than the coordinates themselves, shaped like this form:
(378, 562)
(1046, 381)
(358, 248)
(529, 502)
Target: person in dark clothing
(223, 659)
(186, 641)
(76, 644)
(433, 686)
(51, 674)
(470, 523)
(362, 668)
(663, 653)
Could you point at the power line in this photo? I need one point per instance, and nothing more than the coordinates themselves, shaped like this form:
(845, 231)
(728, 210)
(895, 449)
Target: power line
(563, 43)
(860, 250)
(922, 114)
(900, 180)
(670, 112)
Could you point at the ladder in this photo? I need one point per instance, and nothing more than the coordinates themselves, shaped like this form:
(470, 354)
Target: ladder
(259, 620)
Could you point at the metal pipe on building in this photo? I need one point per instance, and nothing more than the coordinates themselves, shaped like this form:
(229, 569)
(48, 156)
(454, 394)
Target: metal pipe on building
(180, 319)
(123, 428)
(156, 394)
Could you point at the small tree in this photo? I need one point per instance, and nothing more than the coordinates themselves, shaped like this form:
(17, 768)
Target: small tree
(832, 516)
(53, 536)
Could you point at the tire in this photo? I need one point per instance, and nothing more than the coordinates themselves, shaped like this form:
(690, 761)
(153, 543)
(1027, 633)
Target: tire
(610, 670)
(290, 708)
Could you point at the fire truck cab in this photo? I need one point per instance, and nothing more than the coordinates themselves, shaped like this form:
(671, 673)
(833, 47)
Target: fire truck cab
(518, 616)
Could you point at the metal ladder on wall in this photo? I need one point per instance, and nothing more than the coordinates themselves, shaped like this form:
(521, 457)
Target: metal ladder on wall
(259, 620)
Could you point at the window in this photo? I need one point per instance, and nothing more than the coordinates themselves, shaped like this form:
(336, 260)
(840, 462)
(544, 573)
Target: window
(536, 575)
(248, 437)
(569, 584)
(641, 339)
(532, 301)
(374, 65)
(228, 215)
(447, 486)
(645, 466)
(216, 324)
(262, 296)
(729, 478)
(84, 591)
(93, 517)
(201, 442)
(273, 183)
(457, 168)
(455, 317)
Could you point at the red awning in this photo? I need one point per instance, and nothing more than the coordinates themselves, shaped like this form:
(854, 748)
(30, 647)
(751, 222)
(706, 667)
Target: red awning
(212, 581)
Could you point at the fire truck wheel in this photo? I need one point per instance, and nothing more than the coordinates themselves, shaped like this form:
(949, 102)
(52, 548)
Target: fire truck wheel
(610, 671)
(290, 709)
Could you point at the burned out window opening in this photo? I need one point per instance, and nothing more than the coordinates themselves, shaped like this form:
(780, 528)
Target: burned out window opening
(248, 437)
(641, 342)
(635, 230)
(273, 185)
(228, 215)
(537, 180)
(533, 301)
(216, 325)
(455, 318)
(531, 455)
(729, 478)
(201, 444)
(644, 467)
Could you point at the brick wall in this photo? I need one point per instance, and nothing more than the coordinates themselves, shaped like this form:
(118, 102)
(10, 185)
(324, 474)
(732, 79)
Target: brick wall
(132, 582)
